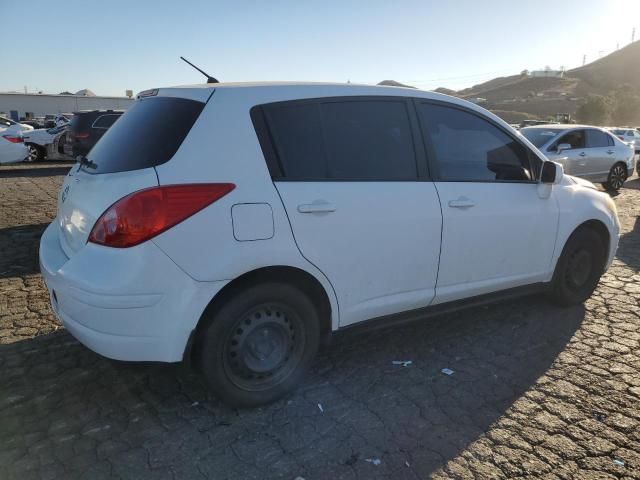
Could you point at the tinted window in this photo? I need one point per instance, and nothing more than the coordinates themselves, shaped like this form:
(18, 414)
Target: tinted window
(297, 135)
(343, 140)
(574, 138)
(368, 140)
(467, 147)
(597, 138)
(105, 121)
(147, 135)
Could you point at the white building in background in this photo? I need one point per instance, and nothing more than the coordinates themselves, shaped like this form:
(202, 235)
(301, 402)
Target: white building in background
(22, 105)
(547, 73)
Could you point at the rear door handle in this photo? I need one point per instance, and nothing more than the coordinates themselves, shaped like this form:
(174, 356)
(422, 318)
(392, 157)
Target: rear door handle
(610, 152)
(582, 154)
(462, 202)
(316, 207)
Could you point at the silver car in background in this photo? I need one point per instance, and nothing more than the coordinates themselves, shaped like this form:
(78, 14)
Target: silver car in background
(588, 152)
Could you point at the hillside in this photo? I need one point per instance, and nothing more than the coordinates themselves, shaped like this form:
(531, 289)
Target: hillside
(516, 95)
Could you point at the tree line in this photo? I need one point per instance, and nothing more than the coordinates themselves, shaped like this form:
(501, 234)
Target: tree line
(620, 107)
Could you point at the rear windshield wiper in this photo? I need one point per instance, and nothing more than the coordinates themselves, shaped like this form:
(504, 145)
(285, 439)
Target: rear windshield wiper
(85, 162)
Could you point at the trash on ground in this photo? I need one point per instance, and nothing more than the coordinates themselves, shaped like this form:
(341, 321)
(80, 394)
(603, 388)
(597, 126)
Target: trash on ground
(320, 407)
(195, 404)
(404, 363)
(407, 464)
(375, 461)
(619, 462)
(447, 371)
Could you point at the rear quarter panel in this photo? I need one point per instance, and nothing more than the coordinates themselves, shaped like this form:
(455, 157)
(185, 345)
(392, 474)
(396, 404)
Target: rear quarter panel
(223, 147)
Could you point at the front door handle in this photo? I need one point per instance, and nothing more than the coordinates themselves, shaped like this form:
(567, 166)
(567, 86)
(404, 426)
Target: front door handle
(582, 154)
(316, 207)
(610, 152)
(462, 202)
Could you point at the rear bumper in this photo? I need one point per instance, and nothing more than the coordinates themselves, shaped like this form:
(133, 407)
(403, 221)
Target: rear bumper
(127, 304)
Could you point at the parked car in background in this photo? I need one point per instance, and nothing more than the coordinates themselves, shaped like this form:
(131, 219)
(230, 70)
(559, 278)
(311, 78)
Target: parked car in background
(588, 152)
(6, 124)
(227, 229)
(33, 123)
(629, 135)
(38, 141)
(86, 128)
(12, 147)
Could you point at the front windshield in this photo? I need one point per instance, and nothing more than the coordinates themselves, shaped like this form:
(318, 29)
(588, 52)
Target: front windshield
(539, 136)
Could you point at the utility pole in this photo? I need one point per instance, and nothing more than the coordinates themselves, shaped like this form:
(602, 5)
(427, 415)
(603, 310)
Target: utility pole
(633, 35)
(584, 59)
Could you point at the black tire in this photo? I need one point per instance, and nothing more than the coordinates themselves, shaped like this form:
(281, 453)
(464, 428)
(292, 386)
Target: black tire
(258, 345)
(36, 153)
(579, 268)
(617, 176)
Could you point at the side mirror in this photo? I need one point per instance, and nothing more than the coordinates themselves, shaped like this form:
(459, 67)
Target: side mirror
(562, 147)
(552, 173)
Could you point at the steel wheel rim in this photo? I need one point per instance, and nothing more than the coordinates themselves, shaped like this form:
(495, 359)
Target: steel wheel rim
(579, 268)
(33, 153)
(263, 348)
(617, 177)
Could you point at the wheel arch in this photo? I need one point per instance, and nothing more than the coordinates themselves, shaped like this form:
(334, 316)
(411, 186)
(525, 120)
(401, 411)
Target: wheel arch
(296, 276)
(594, 224)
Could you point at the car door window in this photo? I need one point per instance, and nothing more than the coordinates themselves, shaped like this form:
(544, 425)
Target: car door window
(345, 139)
(575, 138)
(105, 121)
(464, 147)
(596, 139)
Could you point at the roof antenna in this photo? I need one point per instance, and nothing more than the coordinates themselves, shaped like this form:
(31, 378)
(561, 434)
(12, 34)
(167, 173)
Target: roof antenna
(210, 79)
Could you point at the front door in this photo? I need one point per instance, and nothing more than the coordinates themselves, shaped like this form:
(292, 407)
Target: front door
(359, 207)
(498, 230)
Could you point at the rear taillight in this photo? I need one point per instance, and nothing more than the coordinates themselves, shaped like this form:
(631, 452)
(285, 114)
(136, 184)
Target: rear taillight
(13, 138)
(144, 214)
(81, 135)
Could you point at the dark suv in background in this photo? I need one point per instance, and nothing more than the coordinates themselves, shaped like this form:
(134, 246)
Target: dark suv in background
(86, 128)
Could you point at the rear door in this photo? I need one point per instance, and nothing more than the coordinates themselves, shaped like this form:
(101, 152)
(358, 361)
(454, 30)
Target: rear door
(601, 154)
(498, 230)
(352, 177)
(122, 162)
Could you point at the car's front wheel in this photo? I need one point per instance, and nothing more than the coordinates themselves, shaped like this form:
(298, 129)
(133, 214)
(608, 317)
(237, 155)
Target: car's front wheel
(579, 267)
(258, 345)
(617, 177)
(35, 153)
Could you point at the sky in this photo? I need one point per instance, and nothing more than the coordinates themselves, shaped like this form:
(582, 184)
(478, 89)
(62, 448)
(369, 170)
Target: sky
(111, 46)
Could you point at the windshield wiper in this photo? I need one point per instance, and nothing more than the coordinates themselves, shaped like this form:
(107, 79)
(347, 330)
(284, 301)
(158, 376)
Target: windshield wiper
(85, 162)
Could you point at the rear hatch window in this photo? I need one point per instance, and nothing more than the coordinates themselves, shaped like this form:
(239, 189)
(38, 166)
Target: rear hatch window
(147, 135)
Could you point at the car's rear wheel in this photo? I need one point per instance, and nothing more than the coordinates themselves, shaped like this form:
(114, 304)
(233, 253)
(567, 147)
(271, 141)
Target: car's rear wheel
(258, 345)
(36, 153)
(617, 177)
(579, 267)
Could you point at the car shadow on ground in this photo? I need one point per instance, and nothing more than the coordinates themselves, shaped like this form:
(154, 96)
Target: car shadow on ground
(628, 248)
(96, 416)
(34, 171)
(22, 242)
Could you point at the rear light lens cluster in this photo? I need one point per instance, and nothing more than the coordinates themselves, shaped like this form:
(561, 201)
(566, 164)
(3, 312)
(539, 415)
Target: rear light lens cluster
(81, 135)
(14, 138)
(142, 215)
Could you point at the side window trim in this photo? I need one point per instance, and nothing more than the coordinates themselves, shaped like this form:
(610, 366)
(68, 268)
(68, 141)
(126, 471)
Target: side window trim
(274, 163)
(93, 125)
(430, 150)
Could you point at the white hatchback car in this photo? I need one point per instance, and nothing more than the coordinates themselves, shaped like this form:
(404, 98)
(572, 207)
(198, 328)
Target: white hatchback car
(238, 225)
(12, 147)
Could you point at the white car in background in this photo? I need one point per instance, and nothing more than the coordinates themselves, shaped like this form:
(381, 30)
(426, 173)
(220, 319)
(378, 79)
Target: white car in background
(6, 124)
(630, 136)
(39, 141)
(12, 147)
(584, 151)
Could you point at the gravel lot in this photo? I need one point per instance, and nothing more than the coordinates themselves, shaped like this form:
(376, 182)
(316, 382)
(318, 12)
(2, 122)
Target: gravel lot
(538, 391)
